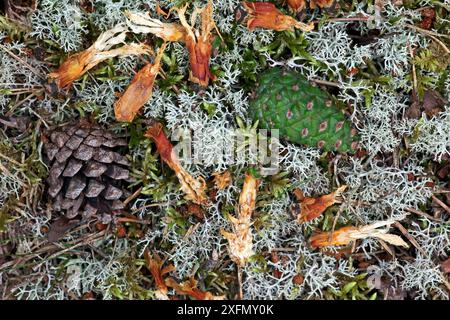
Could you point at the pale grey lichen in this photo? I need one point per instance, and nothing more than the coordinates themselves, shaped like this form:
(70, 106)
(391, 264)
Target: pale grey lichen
(60, 21)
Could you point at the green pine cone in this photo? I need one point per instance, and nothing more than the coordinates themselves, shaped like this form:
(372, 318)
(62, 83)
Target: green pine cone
(304, 114)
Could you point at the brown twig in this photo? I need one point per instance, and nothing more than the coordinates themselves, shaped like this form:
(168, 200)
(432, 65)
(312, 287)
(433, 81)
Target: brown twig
(50, 247)
(133, 196)
(386, 247)
(338, 214)
(409, 237)
(135, 220)
(439, 202)
(432, 35)
(414, 74)
(423, 214)
(349, 19)
(326, 83)
(151, 205)
(26, 64)
(239, 276)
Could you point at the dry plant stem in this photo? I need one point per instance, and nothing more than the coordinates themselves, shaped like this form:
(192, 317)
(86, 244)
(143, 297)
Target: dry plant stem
(87, 240)
(240, 240)
(10, 160)
(239, 276)
(347, 235)
(439, 202)
(411, 53)
(151, 205)
(349, 19)
(441, 191)
(143, 23)
(194, 189)
(327, 83)
(134, 220)
(77, 65)
(427, 32)
(199, 43)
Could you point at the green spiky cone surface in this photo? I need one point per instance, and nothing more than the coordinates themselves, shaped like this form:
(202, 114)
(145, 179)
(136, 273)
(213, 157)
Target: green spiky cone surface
(304, 114)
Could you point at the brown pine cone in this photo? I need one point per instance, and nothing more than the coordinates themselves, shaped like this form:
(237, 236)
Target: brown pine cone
(88, 171)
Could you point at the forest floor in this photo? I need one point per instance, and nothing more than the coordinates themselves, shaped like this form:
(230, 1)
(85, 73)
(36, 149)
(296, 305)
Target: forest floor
(371, 223)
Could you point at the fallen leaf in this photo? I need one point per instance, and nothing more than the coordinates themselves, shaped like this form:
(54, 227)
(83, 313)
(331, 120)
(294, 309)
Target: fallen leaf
(199, 43)
(266, 15)
(240, 241)
(312, 208)
(189, 288)
(432, 104)
(194, 189)
(346, 235)
(77, 65)
(139, 91)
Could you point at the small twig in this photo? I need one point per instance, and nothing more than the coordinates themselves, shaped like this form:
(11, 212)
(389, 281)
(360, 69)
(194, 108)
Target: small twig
(135, 220)
(441, 191)
(427, 32)
(10, 160)
(151, 205)
(409, 236)
(133, 196)
(283, 249)
(50, 247)
(18, 104)
(85, 241)
(439, 202)
(36, 72)
(423, 214)
(414, 74)
(239, 276)
(349, 19)
(439, 42)
(338, 214)
(386, 247)
(326, 83)
(432, 35)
